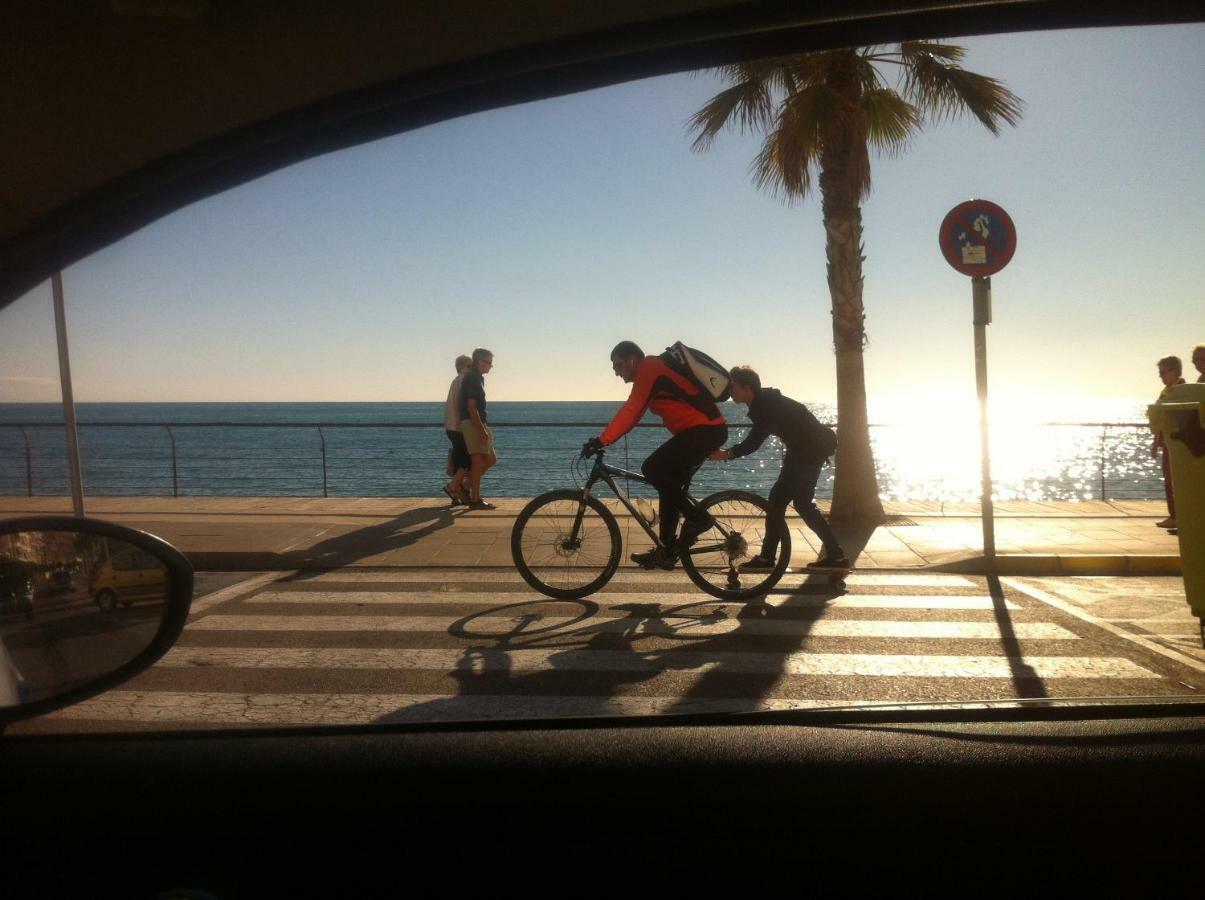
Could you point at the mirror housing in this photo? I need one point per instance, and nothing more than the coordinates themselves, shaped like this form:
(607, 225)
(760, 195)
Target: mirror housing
(93, 605)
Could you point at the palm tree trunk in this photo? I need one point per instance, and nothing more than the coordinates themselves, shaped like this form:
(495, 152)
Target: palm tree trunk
(856, 492)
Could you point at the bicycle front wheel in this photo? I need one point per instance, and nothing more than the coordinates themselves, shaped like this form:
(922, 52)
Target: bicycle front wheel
(565, 545)
(719, 561)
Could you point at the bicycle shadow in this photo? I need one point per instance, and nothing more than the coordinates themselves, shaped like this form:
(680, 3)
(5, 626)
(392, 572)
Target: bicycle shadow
(684, 657)
(573, 675)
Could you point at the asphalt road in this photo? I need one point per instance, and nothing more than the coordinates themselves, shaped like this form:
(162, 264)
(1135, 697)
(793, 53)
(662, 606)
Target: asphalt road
(370, 646)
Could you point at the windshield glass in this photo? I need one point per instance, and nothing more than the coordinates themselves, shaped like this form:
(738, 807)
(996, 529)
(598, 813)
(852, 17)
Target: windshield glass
(346, 390)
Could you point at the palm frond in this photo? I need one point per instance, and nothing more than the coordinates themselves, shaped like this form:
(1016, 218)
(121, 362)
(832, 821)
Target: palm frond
(747, 104)
(910, 51)
(772, 173)
(783, 166)
(867, 73)
(805, 123)
(890, 120)
(821, 112)
(947, 91)
(776, 73)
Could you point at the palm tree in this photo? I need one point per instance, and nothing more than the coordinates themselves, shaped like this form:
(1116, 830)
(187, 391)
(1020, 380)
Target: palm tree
(821, 113)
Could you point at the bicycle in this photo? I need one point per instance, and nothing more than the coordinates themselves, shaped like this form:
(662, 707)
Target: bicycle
(566, 543)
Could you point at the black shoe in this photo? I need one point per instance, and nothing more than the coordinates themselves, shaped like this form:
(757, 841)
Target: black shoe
(759, 563)
(657, 558)
(830, 562)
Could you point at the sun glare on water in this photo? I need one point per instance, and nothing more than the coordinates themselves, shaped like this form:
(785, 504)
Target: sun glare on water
(931, 450)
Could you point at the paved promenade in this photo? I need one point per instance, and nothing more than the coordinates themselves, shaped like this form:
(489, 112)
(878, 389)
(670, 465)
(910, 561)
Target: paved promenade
(249, 534)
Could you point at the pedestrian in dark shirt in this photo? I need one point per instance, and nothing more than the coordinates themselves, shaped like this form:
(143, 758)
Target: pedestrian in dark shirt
(477, 435)
(808, 443)
(1171, 373)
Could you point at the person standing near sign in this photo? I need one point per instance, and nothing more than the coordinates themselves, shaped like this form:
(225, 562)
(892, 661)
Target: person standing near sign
(1170, 373)
(808, 445)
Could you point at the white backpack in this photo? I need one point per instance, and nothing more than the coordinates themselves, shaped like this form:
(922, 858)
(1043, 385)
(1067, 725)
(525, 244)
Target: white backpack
(707, 374)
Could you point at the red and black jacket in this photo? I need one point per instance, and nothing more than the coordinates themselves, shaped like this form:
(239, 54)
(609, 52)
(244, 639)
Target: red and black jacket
(673, 397)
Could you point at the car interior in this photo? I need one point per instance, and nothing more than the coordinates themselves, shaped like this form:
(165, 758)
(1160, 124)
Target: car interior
(145, 106)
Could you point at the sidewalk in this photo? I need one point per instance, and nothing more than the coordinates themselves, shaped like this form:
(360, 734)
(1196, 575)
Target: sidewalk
(248, 534)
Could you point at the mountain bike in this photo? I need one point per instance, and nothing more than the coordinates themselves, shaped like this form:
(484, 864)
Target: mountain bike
(566, 543)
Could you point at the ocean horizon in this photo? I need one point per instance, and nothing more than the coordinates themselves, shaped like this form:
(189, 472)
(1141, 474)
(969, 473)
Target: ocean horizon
(399, 449)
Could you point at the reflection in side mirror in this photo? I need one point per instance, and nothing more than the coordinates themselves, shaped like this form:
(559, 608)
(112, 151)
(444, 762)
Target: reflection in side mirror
(84, 605)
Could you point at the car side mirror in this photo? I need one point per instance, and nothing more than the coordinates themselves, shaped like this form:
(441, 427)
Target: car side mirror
(84, 606)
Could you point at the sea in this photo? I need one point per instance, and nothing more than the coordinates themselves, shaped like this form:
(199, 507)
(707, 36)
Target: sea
(400, 450)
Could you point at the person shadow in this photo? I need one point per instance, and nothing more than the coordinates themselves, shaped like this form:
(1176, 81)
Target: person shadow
(379, 540)
(581, 667)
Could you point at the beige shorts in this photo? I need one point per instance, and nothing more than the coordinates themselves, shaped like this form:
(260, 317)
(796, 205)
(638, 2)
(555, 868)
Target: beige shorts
(472, 438)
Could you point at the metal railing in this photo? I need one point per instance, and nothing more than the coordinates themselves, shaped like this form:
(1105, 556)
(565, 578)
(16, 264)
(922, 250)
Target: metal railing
(35, 463)
(263, 463)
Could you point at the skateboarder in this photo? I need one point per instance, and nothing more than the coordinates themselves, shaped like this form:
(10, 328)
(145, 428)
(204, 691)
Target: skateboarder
(808, 445)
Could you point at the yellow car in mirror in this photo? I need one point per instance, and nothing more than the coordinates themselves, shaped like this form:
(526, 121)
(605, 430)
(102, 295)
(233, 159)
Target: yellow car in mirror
(127, 577)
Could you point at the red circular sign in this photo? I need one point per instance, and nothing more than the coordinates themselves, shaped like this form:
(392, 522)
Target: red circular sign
(977, 238)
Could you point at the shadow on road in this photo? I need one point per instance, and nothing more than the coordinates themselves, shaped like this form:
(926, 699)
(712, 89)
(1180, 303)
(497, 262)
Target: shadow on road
(355, 546)
(585, 658)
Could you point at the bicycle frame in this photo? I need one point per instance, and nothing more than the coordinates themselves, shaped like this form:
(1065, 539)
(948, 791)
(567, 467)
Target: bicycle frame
(607, 474)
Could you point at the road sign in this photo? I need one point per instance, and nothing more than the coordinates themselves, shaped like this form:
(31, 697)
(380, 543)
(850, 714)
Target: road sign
(977, 238)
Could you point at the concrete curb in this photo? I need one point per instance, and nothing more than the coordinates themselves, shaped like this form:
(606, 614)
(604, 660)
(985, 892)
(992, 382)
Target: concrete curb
(1032, 564)
(1053, 564)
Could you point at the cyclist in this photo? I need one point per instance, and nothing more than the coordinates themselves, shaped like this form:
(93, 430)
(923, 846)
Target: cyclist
(693, 419)
(808, 444)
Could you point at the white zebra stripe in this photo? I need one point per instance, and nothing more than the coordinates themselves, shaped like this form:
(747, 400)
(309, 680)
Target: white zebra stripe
(867, 601)
(217, 709)
(453, 576)
(480, 661)
(664, 624)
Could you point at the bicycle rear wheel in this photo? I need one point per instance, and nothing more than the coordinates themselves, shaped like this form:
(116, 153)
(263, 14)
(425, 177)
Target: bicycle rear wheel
(565, 545)
(716, 561)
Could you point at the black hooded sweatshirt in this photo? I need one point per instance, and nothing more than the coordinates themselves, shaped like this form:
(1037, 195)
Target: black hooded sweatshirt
(804, 436)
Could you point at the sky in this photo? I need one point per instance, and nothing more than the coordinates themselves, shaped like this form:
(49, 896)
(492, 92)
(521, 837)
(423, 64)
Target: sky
(547, 232)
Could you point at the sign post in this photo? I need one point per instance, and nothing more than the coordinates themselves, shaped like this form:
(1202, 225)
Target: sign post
(978, 239)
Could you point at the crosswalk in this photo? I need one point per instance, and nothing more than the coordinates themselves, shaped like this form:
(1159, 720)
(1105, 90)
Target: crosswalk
(365, 646)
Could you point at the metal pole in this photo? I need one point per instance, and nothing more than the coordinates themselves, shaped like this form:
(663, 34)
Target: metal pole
(981, 292)
(60, 327)
(175, 471)
(1103, 433)
(322, 437)
(28, 463)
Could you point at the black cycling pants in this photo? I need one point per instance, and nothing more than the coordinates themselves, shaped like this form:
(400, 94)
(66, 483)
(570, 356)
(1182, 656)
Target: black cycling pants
(672, 465)
(797, 484)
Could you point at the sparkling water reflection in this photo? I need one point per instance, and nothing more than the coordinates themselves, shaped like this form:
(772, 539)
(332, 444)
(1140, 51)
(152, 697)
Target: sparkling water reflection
(1029, 462)
(916, 462)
